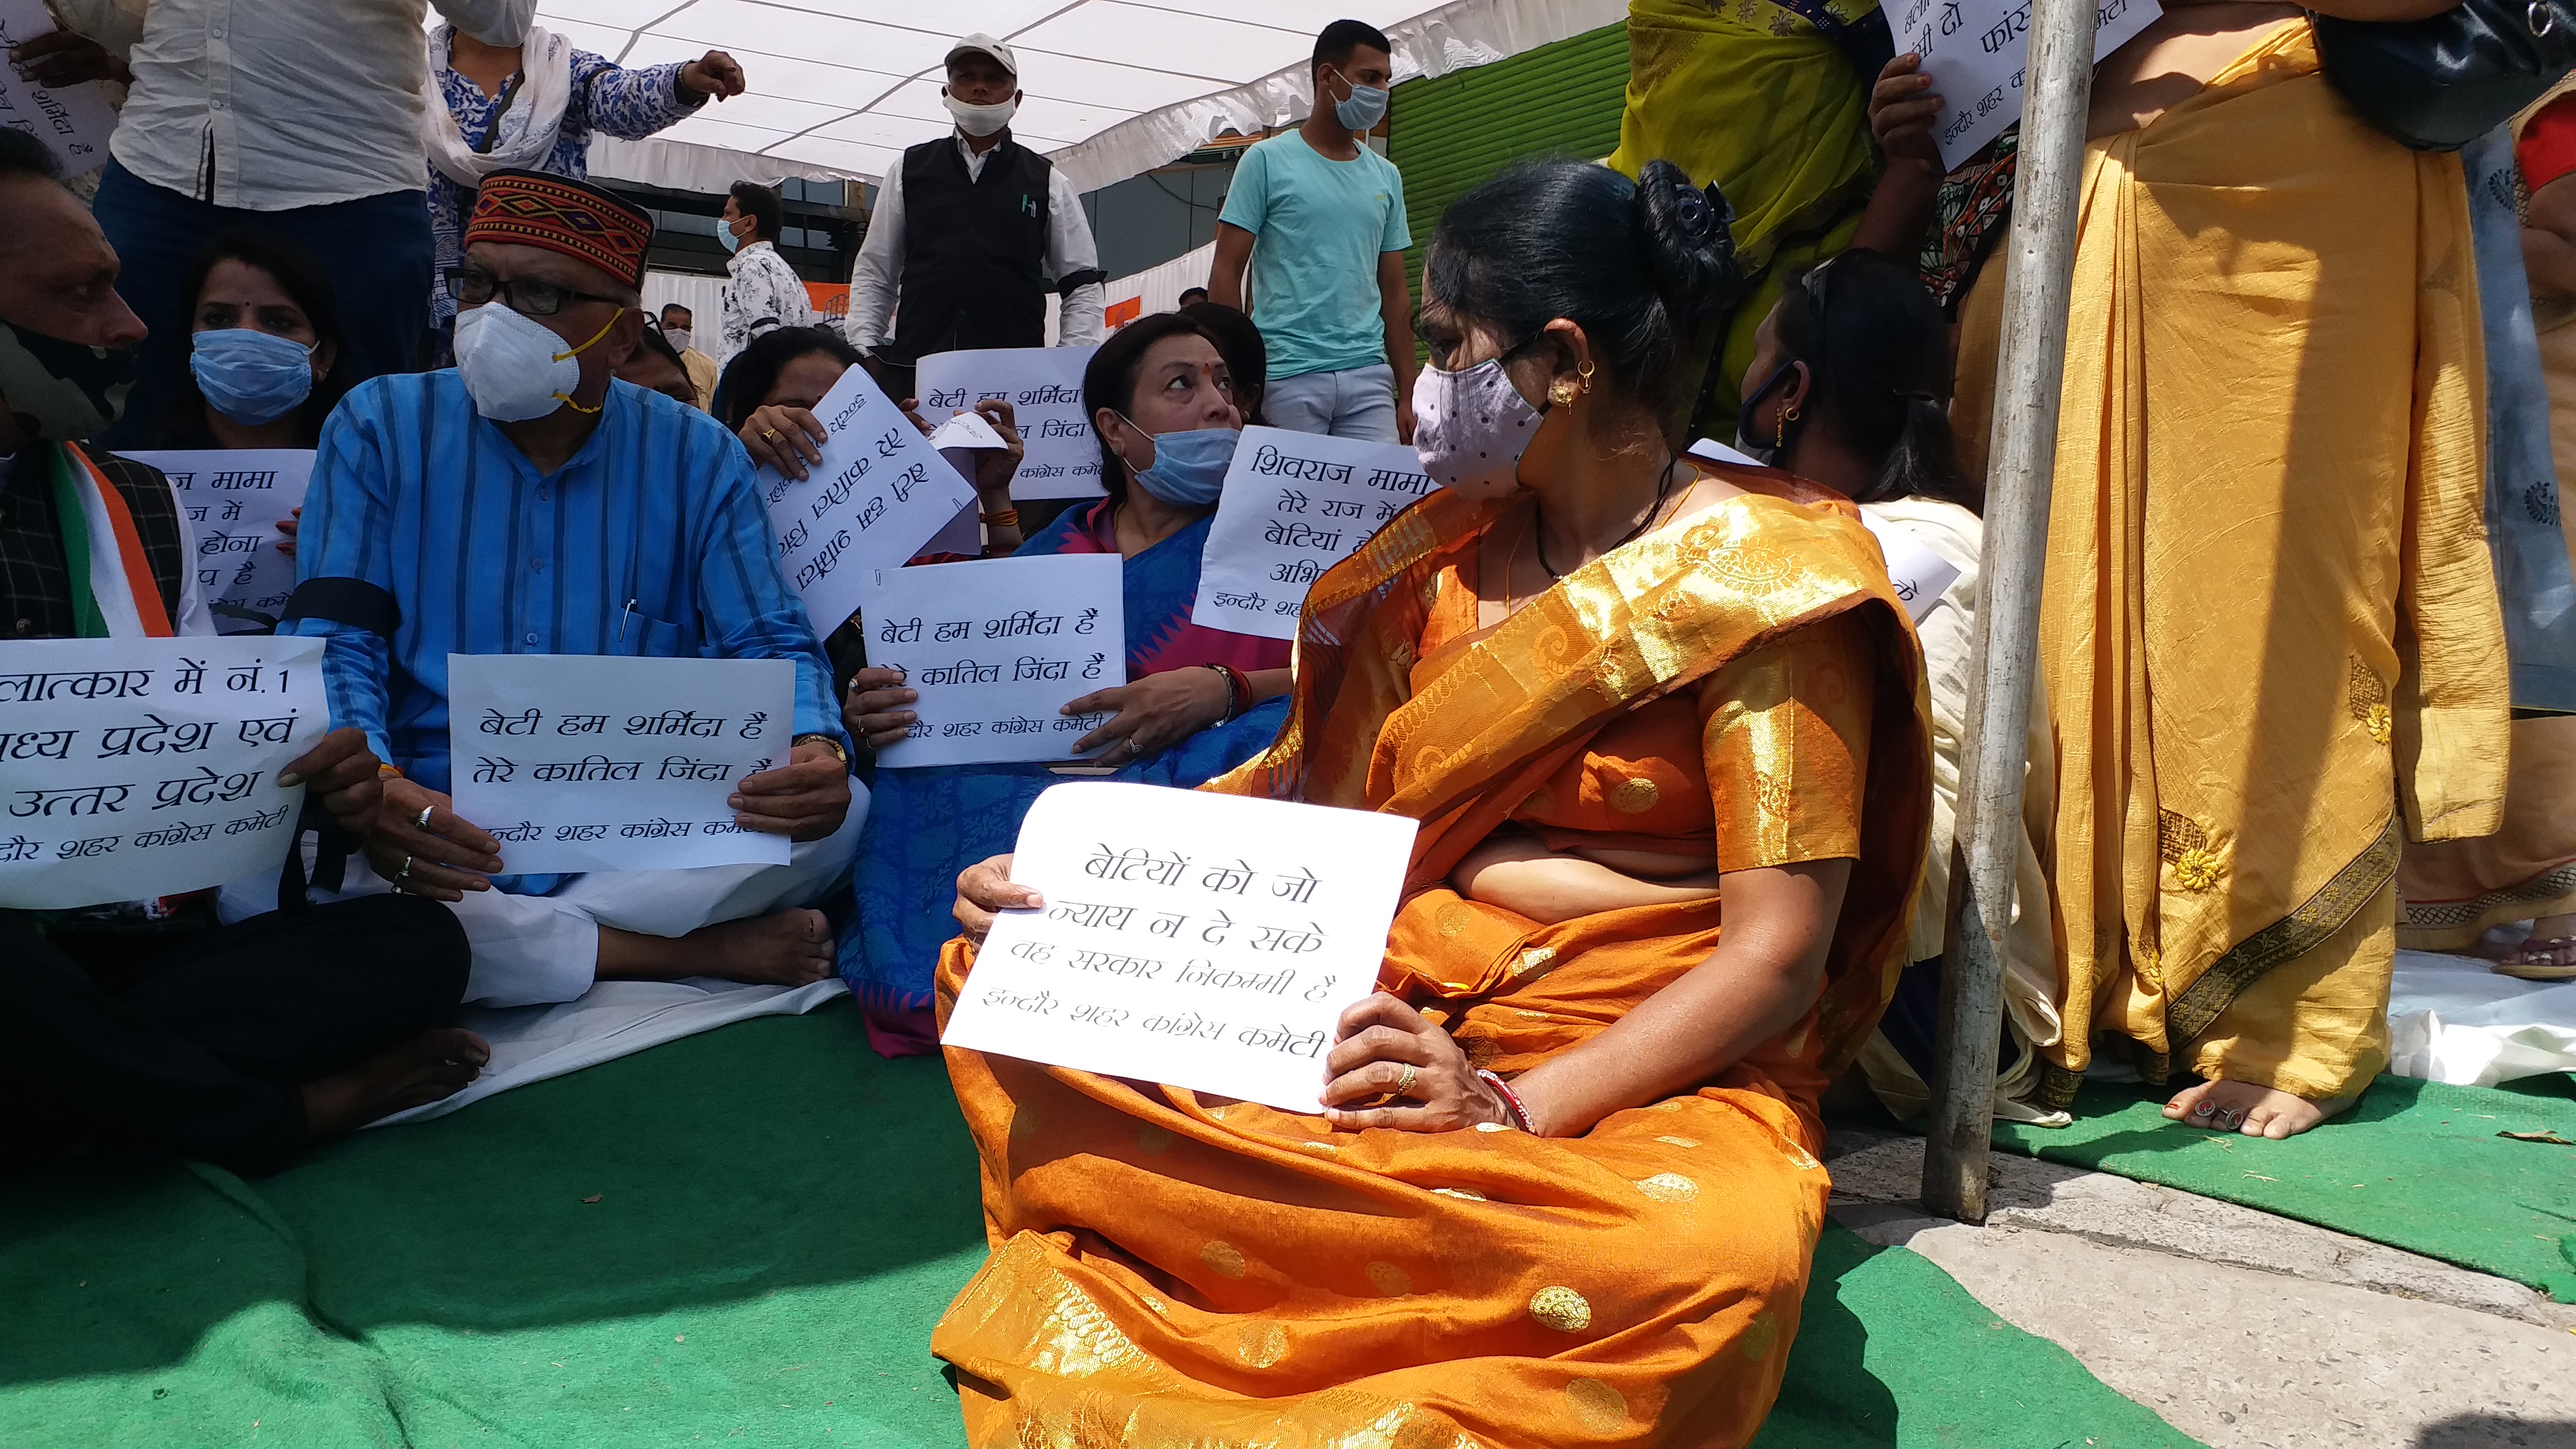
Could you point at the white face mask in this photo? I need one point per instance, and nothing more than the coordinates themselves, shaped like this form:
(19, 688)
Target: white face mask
(1470, 428)
(516, 368)
(980, 121)
(679, 338)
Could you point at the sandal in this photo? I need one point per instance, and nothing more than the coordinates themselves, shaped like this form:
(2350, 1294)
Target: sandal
(2553, 959)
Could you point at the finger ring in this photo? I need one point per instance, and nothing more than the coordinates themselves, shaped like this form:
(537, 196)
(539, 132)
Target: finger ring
(405, 873)
(1404, 1084)
(1132, 747)
(769, 432)
(422, 819)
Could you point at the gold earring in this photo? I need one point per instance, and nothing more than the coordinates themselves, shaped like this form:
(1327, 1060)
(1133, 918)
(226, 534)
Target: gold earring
(1585, 374)
(1562, 393)
(1780, 432)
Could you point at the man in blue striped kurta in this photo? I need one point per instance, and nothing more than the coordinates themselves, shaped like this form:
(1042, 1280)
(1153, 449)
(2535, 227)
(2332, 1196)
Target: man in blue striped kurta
(528, 503)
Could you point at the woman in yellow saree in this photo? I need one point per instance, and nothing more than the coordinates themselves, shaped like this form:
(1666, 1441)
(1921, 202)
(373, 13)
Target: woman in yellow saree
(1566, 1187)
(1757, 98)
(2269, 624)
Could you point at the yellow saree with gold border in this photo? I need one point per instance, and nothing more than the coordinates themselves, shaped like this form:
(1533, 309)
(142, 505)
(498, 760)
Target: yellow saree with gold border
(1176, 1270)
(2269, 625)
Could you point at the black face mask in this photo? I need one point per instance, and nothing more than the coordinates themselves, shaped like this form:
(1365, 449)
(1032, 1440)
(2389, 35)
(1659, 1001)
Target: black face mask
(72, 391)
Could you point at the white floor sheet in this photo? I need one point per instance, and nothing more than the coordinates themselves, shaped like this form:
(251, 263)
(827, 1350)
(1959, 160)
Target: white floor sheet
(2451, 1019)
(613, 1018)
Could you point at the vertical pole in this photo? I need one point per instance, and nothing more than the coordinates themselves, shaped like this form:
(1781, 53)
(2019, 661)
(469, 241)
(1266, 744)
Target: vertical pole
(2038, 284)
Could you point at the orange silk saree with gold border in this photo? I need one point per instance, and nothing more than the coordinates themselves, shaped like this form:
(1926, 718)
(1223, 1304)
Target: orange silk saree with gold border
(1176, 1270)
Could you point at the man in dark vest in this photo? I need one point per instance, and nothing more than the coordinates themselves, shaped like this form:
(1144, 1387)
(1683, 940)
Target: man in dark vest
(971, 234)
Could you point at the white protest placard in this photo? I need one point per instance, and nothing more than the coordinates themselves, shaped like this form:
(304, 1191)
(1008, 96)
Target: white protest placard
(1206, 941)
(582, 762)
(995, 648)
(235, 500)
(880, 492)
(1044, 387)
(133, 768)
(1921, 576)
(73, 121)
(1974, 51)
(1294, 505)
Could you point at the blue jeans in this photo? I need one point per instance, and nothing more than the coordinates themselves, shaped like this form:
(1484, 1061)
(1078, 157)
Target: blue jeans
(375, 250)
(1355, 402)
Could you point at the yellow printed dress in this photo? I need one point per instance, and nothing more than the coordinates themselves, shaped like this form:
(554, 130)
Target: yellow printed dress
(2269, 625)
(1170, 1269)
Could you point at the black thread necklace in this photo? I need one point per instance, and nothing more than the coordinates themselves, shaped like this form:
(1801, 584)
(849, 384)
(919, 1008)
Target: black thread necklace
(1663, 492)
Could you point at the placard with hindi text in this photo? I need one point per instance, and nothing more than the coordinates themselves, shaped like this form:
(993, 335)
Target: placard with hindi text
(234, 499)
(1294, 505)
(1206, 941)
(995, 649)
(132, 768)
(880, 493)
(1044, 386)
(583, 762)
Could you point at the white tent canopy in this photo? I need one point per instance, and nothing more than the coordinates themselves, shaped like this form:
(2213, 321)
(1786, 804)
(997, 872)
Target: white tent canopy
(1114, 87)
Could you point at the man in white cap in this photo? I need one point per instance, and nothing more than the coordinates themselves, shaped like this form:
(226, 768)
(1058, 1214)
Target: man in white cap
(970, 234)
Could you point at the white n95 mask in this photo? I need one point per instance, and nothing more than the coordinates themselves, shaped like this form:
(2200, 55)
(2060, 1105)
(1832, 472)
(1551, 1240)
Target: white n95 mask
(515, 368)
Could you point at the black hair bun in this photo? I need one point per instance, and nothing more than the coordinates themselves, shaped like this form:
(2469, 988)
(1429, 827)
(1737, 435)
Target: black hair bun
(1687, 235)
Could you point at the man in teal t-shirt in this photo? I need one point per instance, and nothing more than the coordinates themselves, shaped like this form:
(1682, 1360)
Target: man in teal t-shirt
(1319, 218)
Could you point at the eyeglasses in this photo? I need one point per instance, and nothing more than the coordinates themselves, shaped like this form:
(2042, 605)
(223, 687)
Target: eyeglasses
(526, 296)
(1818, 283)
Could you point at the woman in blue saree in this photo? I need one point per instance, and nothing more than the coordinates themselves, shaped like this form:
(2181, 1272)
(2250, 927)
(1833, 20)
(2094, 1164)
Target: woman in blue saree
(1198, 702)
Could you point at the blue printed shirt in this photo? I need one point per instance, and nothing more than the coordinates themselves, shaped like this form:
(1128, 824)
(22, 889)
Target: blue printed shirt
(629, 104)
(652, 541)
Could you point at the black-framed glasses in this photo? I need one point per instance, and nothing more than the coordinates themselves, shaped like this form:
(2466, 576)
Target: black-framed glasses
(527, 296)
(1818, 284)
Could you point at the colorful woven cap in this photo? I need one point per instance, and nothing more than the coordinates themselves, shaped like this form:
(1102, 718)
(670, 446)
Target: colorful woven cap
(531, 208)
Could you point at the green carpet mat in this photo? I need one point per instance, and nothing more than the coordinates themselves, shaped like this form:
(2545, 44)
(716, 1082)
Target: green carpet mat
(2416, 1165)
(742, 1237)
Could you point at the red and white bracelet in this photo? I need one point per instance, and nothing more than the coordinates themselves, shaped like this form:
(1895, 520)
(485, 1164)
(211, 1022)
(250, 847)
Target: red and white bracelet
(1511, 1099)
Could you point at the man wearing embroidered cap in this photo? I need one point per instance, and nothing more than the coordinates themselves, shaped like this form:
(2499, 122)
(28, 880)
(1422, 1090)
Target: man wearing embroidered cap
(972, 231)
(526, 502)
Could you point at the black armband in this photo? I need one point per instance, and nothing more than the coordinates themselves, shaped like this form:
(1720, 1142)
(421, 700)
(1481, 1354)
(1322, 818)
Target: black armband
(354, 602)
(1065, 284)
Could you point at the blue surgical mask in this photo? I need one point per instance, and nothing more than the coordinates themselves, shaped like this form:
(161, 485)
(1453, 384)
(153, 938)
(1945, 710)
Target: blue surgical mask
(1363, 110)
(249, 376)
(724, 234)
(1189, 467)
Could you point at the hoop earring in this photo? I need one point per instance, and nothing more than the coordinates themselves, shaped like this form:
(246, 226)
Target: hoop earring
(1584, 374)
(1781, 422)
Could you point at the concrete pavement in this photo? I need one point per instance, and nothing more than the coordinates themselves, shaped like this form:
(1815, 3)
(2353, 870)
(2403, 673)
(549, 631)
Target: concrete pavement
(2243, 1330)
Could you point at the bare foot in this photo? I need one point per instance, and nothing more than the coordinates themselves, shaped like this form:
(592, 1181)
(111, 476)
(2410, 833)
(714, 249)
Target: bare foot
(414, 1073)
(789, 948)
(2242, 1107)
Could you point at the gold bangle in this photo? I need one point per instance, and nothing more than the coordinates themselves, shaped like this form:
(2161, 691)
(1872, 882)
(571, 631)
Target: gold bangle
(827, 742)
(1007, 518)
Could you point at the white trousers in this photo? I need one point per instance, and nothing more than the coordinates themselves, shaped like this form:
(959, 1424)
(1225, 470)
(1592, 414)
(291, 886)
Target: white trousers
(531, 950)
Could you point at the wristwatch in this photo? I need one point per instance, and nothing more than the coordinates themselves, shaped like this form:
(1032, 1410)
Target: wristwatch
(827, 742)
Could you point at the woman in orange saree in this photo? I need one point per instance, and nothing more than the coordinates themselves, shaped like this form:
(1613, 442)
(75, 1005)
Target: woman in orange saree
(1565, 1189)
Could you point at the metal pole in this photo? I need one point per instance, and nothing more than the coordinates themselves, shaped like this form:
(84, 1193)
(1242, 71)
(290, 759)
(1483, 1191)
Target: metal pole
(2030, 371)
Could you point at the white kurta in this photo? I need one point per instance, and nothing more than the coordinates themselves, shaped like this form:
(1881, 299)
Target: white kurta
(532, 950)
(1949, 635)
